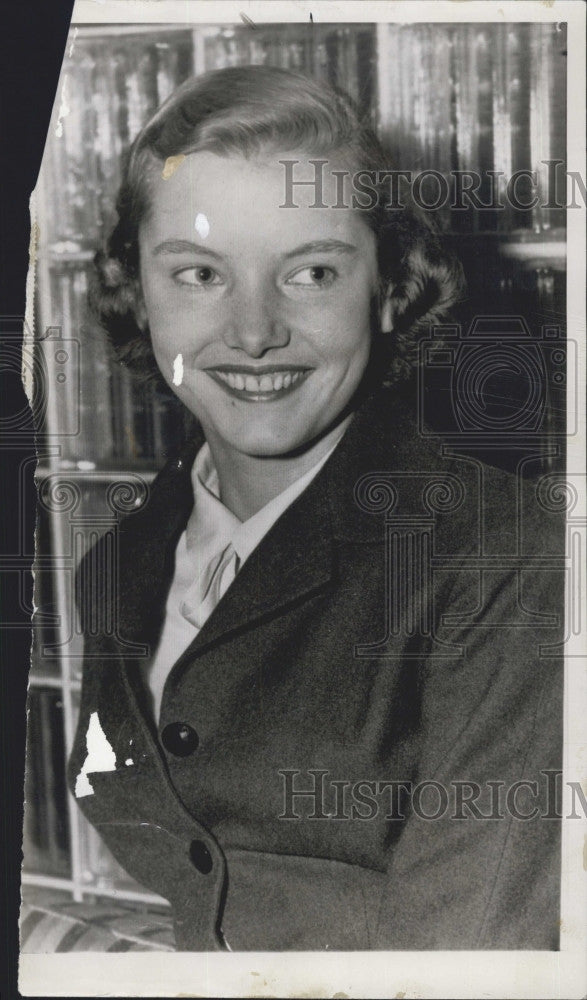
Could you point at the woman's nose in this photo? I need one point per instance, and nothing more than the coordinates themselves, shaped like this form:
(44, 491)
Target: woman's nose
(256, 325)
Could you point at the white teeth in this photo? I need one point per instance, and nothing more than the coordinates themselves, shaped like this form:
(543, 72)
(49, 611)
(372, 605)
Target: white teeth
(268, 382)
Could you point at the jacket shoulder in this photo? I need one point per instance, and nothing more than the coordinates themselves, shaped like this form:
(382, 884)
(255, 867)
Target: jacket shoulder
(395, 469)
(125, 552)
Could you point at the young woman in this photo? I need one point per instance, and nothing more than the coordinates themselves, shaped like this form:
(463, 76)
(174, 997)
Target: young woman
(336, 691)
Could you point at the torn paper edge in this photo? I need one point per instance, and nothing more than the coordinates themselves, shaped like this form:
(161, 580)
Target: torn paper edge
(100, 756)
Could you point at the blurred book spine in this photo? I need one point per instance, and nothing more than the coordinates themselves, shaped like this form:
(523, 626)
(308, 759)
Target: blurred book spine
(548, 122)
(46, 837)
(486, 99)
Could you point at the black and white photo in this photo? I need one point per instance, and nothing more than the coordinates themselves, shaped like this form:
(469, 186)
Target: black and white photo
(307, 362)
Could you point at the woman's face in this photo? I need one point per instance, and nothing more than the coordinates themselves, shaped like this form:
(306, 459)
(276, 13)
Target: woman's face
(260, 315)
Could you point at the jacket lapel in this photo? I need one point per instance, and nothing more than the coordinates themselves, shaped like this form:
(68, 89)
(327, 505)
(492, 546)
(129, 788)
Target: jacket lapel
(147, 542)
(297, 557)
(294, 560)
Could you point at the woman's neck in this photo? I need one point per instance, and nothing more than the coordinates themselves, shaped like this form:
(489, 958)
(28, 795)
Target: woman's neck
(249, 482)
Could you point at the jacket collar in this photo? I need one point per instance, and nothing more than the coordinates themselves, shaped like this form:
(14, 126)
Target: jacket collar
(296, 558)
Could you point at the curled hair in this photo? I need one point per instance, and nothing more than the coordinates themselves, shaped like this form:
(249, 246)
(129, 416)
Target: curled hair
(243, 110)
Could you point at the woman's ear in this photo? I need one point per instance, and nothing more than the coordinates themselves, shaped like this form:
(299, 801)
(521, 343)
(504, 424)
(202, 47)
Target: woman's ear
(386, 310)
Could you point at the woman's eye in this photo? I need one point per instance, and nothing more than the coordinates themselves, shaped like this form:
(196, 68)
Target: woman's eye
(316, 276)
(198, 276)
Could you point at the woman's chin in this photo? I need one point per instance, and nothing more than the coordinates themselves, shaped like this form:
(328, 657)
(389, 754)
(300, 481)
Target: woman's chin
(261, 440)
(267, 447)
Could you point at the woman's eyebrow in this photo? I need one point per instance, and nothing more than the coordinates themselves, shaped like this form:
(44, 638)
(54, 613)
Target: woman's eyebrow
(184, 246)
(314, 246)
(322, 246)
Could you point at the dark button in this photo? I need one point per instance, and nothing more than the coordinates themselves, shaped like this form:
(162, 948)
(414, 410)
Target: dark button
(201, 857)
(179, 739)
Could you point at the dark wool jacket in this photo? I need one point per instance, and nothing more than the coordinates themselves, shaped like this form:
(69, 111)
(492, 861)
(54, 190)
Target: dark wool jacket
(398, 624)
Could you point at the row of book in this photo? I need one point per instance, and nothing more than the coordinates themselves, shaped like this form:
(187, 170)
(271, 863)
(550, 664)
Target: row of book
(343, 55)
(111, 86)
(446, 97)
(104, 416)
(486, 98)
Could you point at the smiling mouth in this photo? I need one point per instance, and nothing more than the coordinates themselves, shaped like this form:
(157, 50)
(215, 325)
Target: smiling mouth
(262, 385)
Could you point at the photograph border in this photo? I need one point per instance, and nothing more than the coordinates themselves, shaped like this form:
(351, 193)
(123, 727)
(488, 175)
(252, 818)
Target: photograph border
(460, 974)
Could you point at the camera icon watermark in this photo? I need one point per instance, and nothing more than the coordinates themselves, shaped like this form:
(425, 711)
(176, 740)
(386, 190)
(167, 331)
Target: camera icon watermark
(61, 362)
(48, 368)
(495, 380)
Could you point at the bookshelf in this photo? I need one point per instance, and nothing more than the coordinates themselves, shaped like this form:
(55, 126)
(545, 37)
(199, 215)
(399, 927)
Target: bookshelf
(443, 97)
